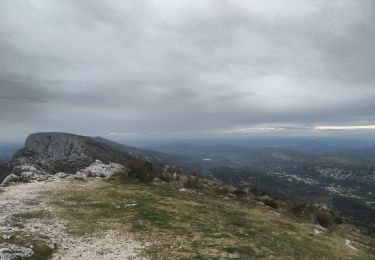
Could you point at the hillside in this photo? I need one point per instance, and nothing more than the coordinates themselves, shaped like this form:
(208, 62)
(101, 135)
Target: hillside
(337, 172)
(131, 219)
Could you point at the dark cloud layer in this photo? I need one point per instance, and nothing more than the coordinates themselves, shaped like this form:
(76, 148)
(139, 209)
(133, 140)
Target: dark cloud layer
(141, 69)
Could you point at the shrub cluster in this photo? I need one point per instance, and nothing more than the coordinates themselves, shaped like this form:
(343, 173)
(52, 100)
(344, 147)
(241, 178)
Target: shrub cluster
(239, 193)
(271, 203)
(322, 216)
(302, 209)
(170, 173)
(327, 218)
(192, 181)
(141, 170)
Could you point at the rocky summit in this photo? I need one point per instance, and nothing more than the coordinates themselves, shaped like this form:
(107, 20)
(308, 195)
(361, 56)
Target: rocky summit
(46, 154)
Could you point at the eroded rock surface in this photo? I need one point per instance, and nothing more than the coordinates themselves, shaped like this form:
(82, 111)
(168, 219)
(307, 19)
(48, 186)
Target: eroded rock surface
(27, 173)
(14, 252)
(47, 154)
(98, 169)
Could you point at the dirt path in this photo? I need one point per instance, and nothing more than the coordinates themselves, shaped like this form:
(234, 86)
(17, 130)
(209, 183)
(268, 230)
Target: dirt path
(25, 198)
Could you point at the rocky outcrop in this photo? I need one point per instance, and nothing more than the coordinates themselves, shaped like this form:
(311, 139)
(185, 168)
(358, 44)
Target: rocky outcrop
(56, 152)
(98, 169)
(27, 173)
(13, 252)
(58, 146)
(47, 154)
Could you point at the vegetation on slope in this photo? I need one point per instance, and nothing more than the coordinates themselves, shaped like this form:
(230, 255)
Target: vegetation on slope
(186, 224)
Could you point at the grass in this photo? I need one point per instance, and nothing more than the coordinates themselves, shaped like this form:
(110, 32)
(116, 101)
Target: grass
(39, 214)
(192, 225)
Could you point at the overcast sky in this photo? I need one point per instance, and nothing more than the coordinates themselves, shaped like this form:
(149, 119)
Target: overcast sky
(158, 69)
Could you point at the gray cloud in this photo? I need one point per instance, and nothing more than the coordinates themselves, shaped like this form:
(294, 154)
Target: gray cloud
(184, 67)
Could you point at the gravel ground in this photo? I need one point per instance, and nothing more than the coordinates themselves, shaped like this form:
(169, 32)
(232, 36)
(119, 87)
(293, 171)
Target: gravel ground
(25, 197)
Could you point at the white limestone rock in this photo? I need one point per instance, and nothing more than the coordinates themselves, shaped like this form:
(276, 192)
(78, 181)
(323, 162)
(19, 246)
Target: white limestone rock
(25, 173)
(99, 169)
(13, 252)
(61, 175)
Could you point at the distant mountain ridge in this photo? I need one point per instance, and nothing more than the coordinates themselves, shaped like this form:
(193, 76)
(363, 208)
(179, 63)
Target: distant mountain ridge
(53, 152)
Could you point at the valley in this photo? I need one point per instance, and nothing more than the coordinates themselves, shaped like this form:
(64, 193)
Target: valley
(321, 171)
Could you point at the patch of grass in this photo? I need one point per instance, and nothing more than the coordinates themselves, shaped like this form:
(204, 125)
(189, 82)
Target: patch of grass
(154, 215)
(244, 251)
(136, 227)
(39, 214)
(192, 225)
(271, 203)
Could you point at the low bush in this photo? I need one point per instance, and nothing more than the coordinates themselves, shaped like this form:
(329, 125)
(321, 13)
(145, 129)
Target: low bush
(223, 190)
(239, 193)
(299, 209)
(325, 218)
(166, 177)
(141, 170)
(255, 191)
(271, 203)
(192, 182)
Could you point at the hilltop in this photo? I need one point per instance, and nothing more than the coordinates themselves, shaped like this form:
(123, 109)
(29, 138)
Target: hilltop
(49, 153)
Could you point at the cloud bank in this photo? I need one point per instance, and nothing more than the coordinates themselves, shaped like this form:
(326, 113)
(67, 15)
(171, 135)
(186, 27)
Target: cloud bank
(137, 69)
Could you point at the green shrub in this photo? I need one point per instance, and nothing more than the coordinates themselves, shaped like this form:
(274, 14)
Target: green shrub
(299, 209)
(165, 176)
(224, 190)
(239, 193)
(141, 170)
(271, 203)
(339, 220)
(257, 192)
(325, 218)
(192, 182)
(121, 177)
(254, 191)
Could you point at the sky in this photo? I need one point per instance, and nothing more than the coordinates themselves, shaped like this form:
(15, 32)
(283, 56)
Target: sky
(187, 68)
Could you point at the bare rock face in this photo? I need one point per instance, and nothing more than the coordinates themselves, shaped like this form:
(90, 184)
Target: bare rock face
(47, 154)
(58, 146)
(62, 152)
